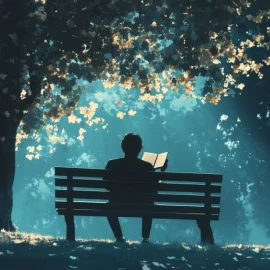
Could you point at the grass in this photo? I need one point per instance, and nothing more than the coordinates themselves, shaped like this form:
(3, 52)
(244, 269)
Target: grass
(20, 250)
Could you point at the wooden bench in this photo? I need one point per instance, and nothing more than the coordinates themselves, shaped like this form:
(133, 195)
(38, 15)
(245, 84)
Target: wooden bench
(198, 196)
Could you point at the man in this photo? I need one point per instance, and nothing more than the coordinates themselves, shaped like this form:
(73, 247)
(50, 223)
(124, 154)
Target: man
(131, 145)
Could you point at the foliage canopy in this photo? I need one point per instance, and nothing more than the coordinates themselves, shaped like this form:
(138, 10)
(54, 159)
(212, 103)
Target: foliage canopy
(146, 47)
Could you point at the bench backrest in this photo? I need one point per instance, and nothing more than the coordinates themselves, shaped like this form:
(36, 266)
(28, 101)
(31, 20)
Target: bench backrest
(180, 195)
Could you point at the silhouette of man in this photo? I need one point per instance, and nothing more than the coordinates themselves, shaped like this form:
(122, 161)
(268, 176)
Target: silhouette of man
(131, 145)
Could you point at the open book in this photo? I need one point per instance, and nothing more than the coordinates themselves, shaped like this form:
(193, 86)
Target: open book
(157, 160)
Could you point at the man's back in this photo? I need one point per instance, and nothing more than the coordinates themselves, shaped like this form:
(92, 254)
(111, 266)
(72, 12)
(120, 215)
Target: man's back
(129, 164)
(125, 164)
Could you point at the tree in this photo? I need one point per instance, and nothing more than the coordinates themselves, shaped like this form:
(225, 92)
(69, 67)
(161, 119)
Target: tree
(145, 45)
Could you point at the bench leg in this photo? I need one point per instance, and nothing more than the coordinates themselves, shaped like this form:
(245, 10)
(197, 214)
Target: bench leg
(206, 232)
(70, 227)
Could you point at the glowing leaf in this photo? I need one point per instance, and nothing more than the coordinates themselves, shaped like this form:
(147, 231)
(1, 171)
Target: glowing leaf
(23, 94)
(267, 61)
(120, 115)
(81, 131)
(131, 112)
(30, 157)
(240, 86)
(72, 119)
(31, 149)
(39, 147)
(188, 88)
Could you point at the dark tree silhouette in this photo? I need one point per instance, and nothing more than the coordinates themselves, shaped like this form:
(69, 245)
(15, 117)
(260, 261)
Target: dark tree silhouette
(48, 43)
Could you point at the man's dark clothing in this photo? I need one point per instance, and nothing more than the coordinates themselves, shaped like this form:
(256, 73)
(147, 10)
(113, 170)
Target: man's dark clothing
(128, 164)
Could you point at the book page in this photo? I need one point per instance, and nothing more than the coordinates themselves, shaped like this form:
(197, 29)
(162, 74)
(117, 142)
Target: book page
(149, 157)
(161, 158)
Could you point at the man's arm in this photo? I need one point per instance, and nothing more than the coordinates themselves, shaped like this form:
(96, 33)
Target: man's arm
(163, 169)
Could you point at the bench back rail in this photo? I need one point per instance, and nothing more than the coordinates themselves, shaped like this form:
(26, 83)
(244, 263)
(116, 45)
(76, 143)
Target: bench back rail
(198, 194)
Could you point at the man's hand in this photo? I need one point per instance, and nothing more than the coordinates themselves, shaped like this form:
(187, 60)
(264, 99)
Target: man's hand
(164, 166)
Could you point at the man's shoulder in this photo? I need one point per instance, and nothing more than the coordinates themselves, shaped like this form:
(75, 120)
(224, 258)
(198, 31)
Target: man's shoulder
(114, 163)
(123, 163)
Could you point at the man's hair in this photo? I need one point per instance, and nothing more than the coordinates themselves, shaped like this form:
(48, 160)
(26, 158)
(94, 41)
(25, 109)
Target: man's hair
(131, 143)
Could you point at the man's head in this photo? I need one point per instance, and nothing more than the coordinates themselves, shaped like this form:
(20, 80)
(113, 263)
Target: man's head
(132, 144)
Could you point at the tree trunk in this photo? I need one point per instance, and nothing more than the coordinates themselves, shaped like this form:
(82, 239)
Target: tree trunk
(7, 170)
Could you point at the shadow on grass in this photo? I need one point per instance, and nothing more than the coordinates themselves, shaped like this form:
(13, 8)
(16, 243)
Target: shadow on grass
(33, 251)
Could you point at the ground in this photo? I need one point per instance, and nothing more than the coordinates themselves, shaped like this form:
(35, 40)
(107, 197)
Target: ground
(32, 251)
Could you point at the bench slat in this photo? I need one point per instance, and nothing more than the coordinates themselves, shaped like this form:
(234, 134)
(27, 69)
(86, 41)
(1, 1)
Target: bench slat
(138, 206)
(170, 176)
(156, 197)
(137, 186)
(127, 213)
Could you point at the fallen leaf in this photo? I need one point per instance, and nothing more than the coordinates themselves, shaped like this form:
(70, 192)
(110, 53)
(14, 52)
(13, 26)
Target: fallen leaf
(186, 247)
(5, 90)
(257, 250)
(159, 264)
(73, 258)
(3, 76)
(17, 241)
(89, 248)
(170, 258)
